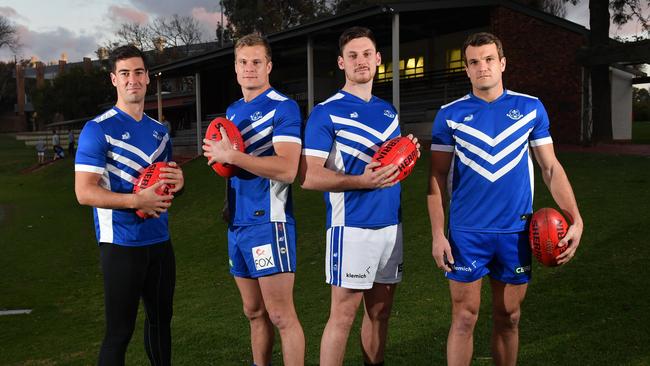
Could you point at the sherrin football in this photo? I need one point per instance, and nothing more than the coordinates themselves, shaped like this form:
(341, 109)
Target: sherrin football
(547, 228)
(400, 151)
(150, 176)
(213, 133)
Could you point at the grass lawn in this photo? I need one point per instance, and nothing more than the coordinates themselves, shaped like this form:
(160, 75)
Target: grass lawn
(594, 311)
(641, 132)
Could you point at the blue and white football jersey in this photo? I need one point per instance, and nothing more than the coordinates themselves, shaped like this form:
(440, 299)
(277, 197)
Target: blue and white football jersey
(269, 118)
(491, 177)
(118, 147)
(347, 131)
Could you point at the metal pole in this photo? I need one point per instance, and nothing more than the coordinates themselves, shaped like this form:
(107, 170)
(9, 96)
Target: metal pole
(310, 74)
(395, 55)
(199, 120)
(159, 94)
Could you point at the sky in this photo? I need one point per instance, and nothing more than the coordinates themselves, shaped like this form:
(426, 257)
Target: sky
(77, 27)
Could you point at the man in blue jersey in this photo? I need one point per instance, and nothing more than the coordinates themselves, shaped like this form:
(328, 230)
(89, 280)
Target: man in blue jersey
(485, 138)
(137, 257)
(261, 231)
(364, 234)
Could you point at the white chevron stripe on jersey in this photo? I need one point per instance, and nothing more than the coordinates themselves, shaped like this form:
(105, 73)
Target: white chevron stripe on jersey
(126, 161)
(154, 155)
(334, 97)
(262, 149)
(487, 139)
(380, 135)
(492, 159)
(128, 147)
(492, 177)
(276, 96)
(354, 152)
(357, 138)
(121, 173)
(108, 114)
(258, 136)
(257, 123)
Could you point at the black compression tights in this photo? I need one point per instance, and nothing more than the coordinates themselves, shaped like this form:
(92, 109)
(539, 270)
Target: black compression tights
(131, 273)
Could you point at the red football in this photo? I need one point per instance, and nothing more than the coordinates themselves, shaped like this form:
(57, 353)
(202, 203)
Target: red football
(212, 133)
(150, 176)
(547, 228)
(400, 151)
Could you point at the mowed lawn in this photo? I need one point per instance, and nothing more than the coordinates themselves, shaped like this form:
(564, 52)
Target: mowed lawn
(593, 311)
(641, 132)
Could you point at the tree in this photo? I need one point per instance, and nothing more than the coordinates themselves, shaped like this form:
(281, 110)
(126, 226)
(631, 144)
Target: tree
(641, 104)
(8, 35)
(7, 86)
(88, 90)
(136, 34)
(176, 31)
(602, 52)
(270, 16)
(173, 31)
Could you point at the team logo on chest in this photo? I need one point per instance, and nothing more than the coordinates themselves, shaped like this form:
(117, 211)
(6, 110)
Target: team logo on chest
(468, 118)
(157, 135)
(126, 135)
(354, 115)
(389, 113)
(514, 114)
(255, 116)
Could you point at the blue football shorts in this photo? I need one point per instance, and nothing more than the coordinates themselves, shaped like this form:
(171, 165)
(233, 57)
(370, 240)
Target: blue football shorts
(506, 257)
(261, 250)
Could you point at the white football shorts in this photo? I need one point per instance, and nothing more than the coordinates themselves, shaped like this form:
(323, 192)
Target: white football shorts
(355, 258)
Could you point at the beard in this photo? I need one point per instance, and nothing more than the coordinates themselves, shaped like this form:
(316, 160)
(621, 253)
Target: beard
(360, 78)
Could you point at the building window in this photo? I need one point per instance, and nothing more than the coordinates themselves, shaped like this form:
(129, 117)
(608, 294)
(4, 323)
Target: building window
(410, 68)
(454, 61)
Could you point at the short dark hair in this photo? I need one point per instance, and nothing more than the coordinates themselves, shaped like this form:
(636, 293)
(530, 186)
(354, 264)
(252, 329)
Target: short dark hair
(124, 52)
(353, 33)
(254, 39)
(481, 39)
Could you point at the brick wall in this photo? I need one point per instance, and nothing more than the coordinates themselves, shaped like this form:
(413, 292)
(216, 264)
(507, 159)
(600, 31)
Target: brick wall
(541, 61)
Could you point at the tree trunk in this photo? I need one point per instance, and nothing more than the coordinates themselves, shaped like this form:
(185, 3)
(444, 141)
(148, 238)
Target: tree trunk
(600, 83)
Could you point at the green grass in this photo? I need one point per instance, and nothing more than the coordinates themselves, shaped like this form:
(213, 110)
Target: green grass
(641, 132)
(594, 311)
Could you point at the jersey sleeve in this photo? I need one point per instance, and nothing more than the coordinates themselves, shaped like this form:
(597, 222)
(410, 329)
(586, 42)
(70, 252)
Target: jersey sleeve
(319, 134)
(91, 150)
(288, 123)
(442, 138)
(541, 134)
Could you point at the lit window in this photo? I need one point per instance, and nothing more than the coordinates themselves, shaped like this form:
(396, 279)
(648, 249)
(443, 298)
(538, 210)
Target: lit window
(454, 61)
(412, 67)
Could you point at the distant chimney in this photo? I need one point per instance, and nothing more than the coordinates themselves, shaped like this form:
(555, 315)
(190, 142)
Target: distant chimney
(88, 65)
(102, 53)
(20, 90)
(40, 75)
(61, 66)
(159, 43)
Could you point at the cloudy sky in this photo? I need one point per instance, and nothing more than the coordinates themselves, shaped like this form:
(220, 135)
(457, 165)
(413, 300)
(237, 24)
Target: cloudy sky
(76, 27)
